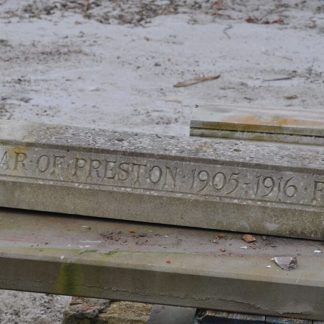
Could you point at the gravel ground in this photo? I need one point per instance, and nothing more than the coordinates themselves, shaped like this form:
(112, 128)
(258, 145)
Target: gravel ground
(113, 64)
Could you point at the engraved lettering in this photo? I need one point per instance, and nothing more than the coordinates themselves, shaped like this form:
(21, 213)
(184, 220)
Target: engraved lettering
(257, 185)
(123, 173)
(4, 163)
(233, 179)
(172, 175)
(289, 189)
(20, 160)
(43, 163)
(58, 163)
(110, 171)
(155, 174)
(204, 177)
(269, 184)
(193, 177)
(219, 181)
(79, 165)
(137, 167)
(186, 177)
(318, 189)
(94, 167)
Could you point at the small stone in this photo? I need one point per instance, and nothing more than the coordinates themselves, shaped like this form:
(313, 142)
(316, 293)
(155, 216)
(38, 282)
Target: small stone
(248, 238)
(286, 262)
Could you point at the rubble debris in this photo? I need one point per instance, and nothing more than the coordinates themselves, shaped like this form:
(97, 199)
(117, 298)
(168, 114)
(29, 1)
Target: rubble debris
(285, 262)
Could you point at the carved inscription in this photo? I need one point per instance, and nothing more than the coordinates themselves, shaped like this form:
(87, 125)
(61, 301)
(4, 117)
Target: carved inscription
(134, 172)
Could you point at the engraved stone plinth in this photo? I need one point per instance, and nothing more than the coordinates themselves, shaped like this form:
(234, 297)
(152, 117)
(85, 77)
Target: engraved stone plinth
(264, 188)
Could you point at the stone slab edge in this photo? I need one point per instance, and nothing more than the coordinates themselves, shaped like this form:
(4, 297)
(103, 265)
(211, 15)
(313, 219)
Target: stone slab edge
(147, 277)
(265, 188)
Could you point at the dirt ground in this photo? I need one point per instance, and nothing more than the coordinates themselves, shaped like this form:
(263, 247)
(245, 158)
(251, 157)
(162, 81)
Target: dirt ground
(114, 63)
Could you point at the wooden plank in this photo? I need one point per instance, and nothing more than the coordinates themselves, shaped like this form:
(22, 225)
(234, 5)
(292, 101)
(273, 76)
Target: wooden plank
(227, 185)
(158, 264)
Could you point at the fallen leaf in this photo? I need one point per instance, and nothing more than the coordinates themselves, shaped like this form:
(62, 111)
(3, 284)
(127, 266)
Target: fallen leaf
(291, 97)
(279, 21)
(248, 238)
(251, 20)
(196, 80)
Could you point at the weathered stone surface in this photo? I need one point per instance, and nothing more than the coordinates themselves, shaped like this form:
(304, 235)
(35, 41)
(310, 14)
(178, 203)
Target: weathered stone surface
(250, 187)
(159, 264)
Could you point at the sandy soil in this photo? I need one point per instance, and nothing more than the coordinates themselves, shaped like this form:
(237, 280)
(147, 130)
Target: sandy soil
(113, 64)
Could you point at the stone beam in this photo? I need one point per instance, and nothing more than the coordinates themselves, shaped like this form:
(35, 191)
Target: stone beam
(258, 187)
(159, 264)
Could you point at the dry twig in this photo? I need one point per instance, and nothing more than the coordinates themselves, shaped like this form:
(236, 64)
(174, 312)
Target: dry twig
(196, 80)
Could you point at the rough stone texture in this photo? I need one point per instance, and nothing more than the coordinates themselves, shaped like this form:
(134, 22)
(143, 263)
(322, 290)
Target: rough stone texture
(126, 313)
(264, 188)
(16, 307)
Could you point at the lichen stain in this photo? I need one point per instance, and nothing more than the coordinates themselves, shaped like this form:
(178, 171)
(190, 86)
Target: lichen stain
(70, 279)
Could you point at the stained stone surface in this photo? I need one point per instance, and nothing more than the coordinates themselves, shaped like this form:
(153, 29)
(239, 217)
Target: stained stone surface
(259, 123)
(259, 119)
(265, 188)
